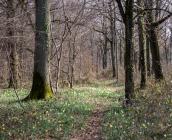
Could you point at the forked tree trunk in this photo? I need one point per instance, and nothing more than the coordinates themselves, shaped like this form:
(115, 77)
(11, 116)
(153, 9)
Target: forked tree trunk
(156, 63)
(41, 88)
(154, 46)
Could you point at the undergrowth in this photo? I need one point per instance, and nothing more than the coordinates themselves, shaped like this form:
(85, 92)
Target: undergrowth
(150, 118)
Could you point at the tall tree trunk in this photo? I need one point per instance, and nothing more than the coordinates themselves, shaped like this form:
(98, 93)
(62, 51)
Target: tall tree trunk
(70, 65)
(156, 64)
(105, 43)
(127, 17)
(113, 59)
(72, 56)
(141, 48)
(112, 42)
(12, 47)
(148, 55)
(41, 88)
(104, 61)
(129, 81)
(115, 40)
(120, 51)
(170, 47)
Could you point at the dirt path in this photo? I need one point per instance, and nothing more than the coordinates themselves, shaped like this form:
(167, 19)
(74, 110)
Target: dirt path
(93, 128)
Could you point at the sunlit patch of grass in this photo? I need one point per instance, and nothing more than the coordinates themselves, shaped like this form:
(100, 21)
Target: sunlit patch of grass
(53, 119)
(40, 119)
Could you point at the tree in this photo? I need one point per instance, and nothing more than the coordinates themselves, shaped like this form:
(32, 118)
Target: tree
(41, 87)
(154, 46)
(112, 42)
(142, 47)
(105, 44)
(12, 47)
(127, 17)
(148, 55)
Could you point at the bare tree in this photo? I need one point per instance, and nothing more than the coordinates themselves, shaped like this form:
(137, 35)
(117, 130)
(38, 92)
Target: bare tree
(127, 17)
(142, 47)
(41, 88)
(12, 46)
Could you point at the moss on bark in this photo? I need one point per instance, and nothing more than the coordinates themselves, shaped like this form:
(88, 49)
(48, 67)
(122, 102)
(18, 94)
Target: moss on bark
(41, 89)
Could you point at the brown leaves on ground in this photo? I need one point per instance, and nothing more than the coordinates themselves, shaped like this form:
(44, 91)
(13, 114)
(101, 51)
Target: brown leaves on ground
(93, 128)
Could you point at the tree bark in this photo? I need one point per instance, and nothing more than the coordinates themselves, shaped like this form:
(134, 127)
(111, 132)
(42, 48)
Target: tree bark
(113, 60)
(148, 56)
(112, 42)
(12, 47)
(129, 81)
(105, 51)
(141, 49)
(170, 47)
(127, 18)
(41, 87)
(154, 46)
(104, 61)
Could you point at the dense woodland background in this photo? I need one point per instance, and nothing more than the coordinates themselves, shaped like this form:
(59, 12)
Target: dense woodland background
(87, 40)
(47, 46)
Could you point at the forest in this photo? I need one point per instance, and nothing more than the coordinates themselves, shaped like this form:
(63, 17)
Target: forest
(86, 70)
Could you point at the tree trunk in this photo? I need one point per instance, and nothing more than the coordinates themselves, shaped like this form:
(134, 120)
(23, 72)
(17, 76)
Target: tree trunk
(41, 88)
(104, 61)
(148, 55)
(113, 59)
(156, 64)
(112, 42)
(141, 49)
(13, 58)
(105, 52)
(129, 81)
(120, 51)
(127, 17)
(170, 47)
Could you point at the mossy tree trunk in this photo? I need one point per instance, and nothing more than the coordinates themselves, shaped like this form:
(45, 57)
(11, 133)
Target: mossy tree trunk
(41, 87)
(12, 47)
(142, 46)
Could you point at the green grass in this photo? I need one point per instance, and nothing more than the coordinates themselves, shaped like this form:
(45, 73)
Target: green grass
(148, 119)
(56, 118)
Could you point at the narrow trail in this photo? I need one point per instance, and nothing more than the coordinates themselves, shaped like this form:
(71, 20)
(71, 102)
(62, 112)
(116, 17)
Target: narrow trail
(93, 130)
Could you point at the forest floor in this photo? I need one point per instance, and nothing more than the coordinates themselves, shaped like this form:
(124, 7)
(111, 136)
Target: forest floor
(89, 112)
